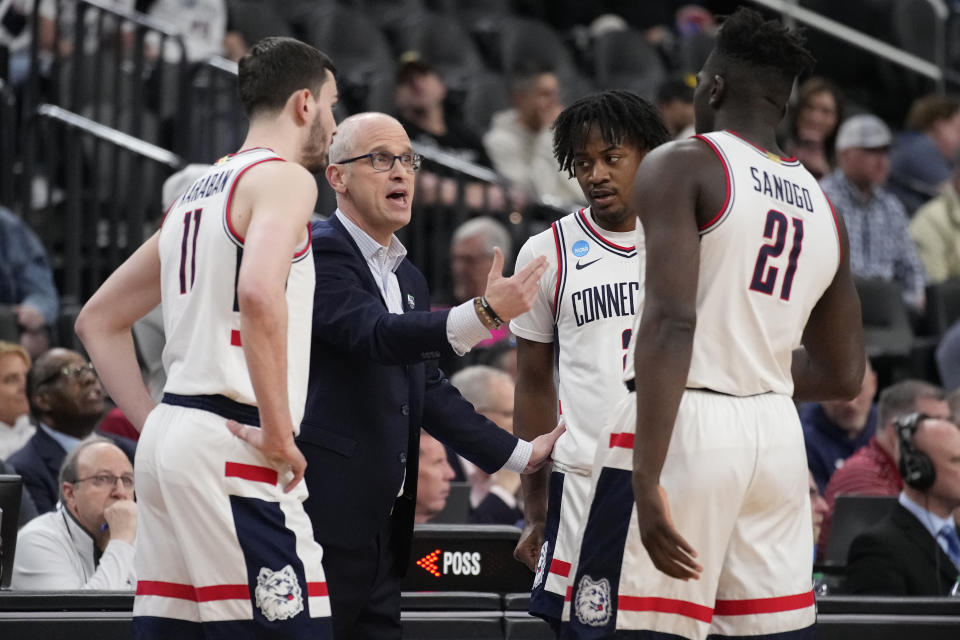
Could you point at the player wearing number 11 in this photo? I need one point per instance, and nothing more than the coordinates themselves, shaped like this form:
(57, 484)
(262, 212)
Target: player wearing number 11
(700, 519)
(225, 548)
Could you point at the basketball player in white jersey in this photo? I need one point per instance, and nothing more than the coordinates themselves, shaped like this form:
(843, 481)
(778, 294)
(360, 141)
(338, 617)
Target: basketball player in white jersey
(583, 315)
(748, 304)
(225, 548)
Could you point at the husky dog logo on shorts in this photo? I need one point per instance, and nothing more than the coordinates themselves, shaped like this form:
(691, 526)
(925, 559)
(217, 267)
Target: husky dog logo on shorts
(541, 565)
(593, 601)
(278, 594)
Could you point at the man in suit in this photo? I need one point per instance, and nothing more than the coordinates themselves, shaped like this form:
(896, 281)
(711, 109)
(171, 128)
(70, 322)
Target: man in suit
(374, 381)
(915, 551)
(67, 401)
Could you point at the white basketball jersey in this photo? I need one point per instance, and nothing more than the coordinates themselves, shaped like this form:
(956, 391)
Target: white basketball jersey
(765, 260)
(588, 298)
(200, 256)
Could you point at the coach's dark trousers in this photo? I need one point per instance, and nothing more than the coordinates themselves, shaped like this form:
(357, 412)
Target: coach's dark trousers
(364, 586)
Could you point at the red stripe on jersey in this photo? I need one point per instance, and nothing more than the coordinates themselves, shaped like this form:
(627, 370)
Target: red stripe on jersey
(231, 155)
(759, 148)
(763, 605)
(556, 291)
(726, 175)
(195, 594)
(560, 567)
(164, 218)
(666, 605)
(624, 440)
(317, 589)
(250, 472)
(233, 186)
(235, 338)
(586, 219)
(836, 225)
(569, 596)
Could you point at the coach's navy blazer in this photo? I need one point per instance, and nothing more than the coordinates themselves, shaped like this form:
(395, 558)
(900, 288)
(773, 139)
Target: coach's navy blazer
(374, 382)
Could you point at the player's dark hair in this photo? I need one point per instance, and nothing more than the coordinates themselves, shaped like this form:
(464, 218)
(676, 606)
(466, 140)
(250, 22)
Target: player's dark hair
(745, 37)
(620, 117)
(274, 68)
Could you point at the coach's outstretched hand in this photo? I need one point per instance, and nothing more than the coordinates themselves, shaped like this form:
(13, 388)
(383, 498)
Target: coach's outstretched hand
(543, 447)
(280, 453)
(513, 296)
(669, 552)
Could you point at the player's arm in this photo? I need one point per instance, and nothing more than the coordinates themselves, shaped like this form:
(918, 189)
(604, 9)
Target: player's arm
(104, 327)
(666, 191)
(830, 364)
(535, 413)
(274, 202)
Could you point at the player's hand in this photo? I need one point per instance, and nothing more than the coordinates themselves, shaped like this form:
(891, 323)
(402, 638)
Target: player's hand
(529, 545)
(513, 296)
(543, 447)
(280, 452)
(669, 552)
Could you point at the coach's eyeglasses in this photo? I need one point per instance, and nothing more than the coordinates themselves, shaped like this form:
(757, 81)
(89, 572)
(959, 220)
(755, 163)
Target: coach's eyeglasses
(107, 480)
(70, 371)
(383, 161)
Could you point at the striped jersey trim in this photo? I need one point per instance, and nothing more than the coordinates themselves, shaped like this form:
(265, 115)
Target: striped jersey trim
(561, 245)
(728, 202)
(584, 221)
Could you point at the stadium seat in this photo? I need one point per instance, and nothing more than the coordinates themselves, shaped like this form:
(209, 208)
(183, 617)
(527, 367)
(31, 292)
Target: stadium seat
(361, 52)
(424, 627)
(624, 60)
(526, 628)
(485, 94)
(443, 43)
(943, 306)
(886, 323)
(523, 41)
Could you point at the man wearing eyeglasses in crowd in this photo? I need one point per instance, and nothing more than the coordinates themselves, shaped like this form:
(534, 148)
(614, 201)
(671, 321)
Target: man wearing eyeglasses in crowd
(87, 543)
(66, 402)
(374, 381)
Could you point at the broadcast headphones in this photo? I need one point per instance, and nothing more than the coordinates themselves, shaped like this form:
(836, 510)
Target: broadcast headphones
(916, 467)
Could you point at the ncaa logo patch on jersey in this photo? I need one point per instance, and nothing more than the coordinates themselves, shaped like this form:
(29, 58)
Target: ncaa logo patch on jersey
(593, 601)
(580, 248)
(278, 594)
(541, 565)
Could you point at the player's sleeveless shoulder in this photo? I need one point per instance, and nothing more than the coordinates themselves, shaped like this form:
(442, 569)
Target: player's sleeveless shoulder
(766, 258)
(200, 255)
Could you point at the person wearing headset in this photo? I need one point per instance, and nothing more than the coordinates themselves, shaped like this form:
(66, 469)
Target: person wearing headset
(915, 550)
(87, 542)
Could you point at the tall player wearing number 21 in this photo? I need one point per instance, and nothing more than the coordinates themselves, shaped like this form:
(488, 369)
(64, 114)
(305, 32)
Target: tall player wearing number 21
(699, 519)
(582, 315)
(226, 549)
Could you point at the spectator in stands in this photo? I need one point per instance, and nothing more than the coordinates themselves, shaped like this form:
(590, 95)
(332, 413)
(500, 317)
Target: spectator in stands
(953, 400)
(66, 402)
(88, 542)
(420, 98)
(15, 426)
(434, 474)
(520, 143)
(947, 357)
(675, 101)
(880, 246)
(935, 229)
(872, 469)
(201, 23)
(15, 38)
(26, 282)
(493, 497)
(922, 157)
(915, 550)
(818, 510)
(813, 125)
(471, 256)
(834, 429)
